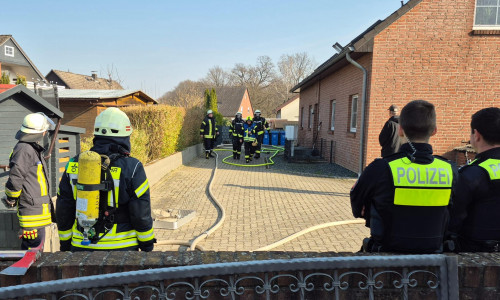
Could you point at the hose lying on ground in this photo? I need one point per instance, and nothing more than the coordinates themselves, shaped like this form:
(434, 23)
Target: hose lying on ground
(274, 149)
(302, 232)
(178, 242)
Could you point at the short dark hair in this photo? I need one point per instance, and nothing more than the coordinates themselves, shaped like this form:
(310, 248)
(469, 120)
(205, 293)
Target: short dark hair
(487, 123)
(418, 119)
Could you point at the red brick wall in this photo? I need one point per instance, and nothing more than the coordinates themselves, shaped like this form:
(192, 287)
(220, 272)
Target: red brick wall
(245, 103)
(340, 86)
(431, 53)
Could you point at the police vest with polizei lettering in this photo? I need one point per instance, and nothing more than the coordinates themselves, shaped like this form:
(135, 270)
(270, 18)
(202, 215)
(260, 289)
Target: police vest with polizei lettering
(492, 166)
(421, 185)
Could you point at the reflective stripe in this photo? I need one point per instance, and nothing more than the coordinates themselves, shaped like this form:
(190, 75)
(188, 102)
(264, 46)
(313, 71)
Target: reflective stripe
(41, 179)
(421, 185)
(36, 220)
(492, 166)
(65, 235)
(112, 240)
(108, 246)
(142, 189)
(13, 194)
(145, 236)
(115, 174)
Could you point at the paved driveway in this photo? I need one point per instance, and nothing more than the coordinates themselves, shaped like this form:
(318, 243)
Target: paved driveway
(262, 206)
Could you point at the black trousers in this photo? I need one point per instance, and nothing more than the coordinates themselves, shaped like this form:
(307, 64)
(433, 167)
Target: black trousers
(237, 145)
(209, 144)
(26, 244)
(260, 139)
(249, 149)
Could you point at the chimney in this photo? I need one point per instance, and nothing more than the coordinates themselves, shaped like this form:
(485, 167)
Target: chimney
(94, 75)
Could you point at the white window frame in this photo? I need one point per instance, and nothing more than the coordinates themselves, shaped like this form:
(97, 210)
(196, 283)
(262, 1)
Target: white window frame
(354, 114)
(311, 116)
(9, 49)
(332, 117)
(495, 26)
(302, 117)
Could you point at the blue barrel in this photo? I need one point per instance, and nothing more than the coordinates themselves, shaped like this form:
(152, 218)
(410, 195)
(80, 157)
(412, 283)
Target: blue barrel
(282, 138)
(266, 138)
(274, 137)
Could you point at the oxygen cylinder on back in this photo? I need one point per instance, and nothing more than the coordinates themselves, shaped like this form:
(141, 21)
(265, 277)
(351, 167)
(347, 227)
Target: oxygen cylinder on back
(87, 199)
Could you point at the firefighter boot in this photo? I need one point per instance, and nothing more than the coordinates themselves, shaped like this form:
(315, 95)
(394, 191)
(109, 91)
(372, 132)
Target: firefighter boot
(248, 160)
(257, 155)
(206, 155)
(211, 154)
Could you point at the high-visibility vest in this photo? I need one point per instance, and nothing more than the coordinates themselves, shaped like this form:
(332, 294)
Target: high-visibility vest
(492, 166)
(421, 185)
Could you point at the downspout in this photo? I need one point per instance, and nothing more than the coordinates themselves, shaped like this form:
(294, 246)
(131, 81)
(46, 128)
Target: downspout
(363, 104)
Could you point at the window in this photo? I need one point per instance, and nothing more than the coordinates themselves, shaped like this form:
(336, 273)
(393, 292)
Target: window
(487, 14)
(354, 114)
(302, 117)
(9, 51)
(332, 120)
(311, 114)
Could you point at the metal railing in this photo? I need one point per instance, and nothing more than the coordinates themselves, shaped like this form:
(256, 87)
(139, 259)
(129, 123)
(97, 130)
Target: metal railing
(305, 278)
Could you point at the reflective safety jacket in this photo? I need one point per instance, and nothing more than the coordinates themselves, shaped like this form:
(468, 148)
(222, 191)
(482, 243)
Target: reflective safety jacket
(133, 228)
(476, 212)
(236, 129)
(260, 125)
(208, 128)
(29, 181)
(249, 132)
(406, 204)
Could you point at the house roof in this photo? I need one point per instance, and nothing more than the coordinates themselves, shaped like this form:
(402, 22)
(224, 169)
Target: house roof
(4, 38)
(100, 94)
(24, 90)
(79, 81)
(287, 102)
(362, 43)
(229, 99)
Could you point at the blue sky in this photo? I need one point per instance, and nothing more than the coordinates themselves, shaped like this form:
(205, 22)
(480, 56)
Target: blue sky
(154, 45)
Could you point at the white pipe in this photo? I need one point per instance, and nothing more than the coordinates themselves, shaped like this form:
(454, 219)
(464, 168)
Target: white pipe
(307, 230)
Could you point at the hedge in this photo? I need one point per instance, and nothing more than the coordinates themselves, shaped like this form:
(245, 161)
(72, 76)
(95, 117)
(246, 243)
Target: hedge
(160, 130)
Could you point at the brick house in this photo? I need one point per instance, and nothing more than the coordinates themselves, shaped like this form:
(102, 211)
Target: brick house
(446, 52)
(231, 99)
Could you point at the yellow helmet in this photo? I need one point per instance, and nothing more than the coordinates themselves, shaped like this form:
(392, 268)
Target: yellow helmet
(249, 118)
(112, 122)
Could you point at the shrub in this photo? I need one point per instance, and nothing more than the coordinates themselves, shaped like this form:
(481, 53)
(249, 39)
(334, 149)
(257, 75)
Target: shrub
(21, 80)
(5, 78)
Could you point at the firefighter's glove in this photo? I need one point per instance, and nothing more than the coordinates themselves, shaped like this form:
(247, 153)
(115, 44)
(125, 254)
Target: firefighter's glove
(255, 143)
(9, 202)
(30, 234)
(147, 246)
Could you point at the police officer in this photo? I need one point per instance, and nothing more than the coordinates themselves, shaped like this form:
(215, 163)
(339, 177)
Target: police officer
(249, 137)
(28, 183)
(125, 221)
(405, 197)
(208, 132)
(236, 131)
(475, 216)
(261, 124)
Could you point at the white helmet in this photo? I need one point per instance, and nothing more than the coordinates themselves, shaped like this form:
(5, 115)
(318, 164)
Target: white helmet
(257, 111)
(36, 123)
(239, 113)
(209, 112)
(112, 122)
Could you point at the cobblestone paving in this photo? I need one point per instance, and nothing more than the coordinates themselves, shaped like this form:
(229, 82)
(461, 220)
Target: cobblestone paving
(262, 206)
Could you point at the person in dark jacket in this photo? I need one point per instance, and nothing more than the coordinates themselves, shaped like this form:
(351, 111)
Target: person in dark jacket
(236, 132)
(125, 221)
(405, 197)
(208, 132)
(249, 136)
(389, 137)
(475, 217)
(261, 125)
(28, 183)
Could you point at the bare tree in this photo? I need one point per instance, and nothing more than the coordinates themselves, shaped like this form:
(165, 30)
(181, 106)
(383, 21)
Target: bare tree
(111, 74)
(295, 67)
(216, 77)
(186, 94)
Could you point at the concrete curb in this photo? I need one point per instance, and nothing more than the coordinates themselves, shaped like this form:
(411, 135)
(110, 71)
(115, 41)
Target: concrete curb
(158, 169)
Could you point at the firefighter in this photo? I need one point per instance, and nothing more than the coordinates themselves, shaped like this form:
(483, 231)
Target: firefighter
(208, 132)
(405, 197)
(249, 137)
(28, 184)
(260, 126)
(125, 221)
(236, 131)
(474, 219)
